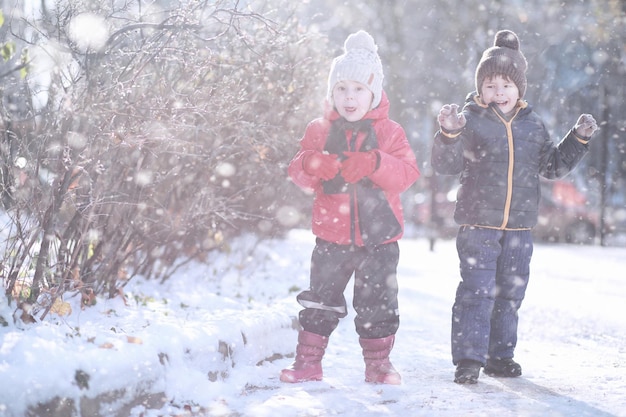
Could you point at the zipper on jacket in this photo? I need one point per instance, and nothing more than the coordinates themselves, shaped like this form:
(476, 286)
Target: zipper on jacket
(352, 188)
(509, 177)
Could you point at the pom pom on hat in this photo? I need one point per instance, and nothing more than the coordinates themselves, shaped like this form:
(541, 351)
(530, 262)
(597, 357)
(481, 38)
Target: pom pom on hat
(360, 40)
(506, 39)
(359, 62)
(503, 58)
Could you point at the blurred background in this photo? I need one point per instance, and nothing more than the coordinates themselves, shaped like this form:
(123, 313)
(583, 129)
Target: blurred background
(141, 133)
(577, 64)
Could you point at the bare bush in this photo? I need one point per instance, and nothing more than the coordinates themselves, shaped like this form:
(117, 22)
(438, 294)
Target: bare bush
(156, 144)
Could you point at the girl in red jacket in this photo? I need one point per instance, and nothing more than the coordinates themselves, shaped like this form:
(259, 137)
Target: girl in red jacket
(357, 162)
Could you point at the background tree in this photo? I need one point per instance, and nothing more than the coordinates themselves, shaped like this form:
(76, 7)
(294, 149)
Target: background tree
(430, 49)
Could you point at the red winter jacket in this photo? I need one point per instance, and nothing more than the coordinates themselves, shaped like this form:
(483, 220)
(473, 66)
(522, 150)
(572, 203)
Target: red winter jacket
(335, 216)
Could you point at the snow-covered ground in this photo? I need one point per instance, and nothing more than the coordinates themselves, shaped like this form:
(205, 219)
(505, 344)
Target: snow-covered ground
(212, 341)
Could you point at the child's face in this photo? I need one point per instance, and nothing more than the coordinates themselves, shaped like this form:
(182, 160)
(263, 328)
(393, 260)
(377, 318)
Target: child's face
(500, 90)
(352, 99)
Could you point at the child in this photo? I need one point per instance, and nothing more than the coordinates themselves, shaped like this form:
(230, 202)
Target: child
(500, 147)
(357, 162)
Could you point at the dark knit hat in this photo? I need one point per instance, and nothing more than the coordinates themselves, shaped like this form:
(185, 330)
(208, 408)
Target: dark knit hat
(503, 58)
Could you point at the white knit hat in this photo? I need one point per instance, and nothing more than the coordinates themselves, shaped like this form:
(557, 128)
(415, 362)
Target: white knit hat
(359, 62)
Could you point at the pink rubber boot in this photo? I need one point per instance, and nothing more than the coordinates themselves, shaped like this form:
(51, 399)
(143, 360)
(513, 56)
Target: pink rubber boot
(378, 368)
(308, 363)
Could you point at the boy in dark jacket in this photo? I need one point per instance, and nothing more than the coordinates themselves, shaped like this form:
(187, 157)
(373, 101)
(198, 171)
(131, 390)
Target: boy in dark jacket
(500, 147)
(357, 162)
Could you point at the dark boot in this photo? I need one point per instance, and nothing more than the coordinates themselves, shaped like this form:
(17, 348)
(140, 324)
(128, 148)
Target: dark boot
(506, 368)
(467, 371)
(378, 368)
(308, 363)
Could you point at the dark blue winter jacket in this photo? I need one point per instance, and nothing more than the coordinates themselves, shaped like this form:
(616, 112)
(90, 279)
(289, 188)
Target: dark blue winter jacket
(500, 160)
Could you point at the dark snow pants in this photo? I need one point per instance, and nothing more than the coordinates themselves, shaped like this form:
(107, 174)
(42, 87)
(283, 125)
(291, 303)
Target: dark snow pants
(375, 289)
(495, 266)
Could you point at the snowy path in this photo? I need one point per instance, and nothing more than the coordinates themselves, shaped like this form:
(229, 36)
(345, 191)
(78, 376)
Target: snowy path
(572, 347)
(179, 345)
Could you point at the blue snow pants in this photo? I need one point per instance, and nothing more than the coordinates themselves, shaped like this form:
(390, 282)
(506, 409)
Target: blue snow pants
(375, 297)
(495, 267)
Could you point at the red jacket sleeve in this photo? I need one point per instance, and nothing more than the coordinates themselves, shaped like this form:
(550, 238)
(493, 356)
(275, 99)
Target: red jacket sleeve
(398, 167)
(313, 140)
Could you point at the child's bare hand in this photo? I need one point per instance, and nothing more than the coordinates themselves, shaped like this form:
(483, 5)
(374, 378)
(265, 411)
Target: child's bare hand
(586, 125)
(450, 119)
